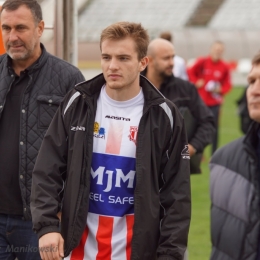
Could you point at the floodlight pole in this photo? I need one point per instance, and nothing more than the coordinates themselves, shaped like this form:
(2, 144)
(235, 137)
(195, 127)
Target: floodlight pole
(66, 30)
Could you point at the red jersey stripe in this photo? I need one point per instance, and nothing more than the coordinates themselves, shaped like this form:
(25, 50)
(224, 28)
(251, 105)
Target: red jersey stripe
(129, 224)
(78, 252)
(104, 237)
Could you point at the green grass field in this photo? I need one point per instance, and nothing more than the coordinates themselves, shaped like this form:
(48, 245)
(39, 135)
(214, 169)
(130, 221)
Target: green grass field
(199, 245)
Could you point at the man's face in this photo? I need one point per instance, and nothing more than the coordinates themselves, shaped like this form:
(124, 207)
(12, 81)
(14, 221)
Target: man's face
(162, 61)
(120, 64)
(216, 52)
(253, 93)
(21, 35)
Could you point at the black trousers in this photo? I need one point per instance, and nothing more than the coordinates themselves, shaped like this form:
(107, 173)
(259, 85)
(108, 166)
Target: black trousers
(215, 111)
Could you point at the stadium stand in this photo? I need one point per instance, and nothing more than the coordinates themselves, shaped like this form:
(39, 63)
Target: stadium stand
(204, 12)
(153, 14)
(237, 14)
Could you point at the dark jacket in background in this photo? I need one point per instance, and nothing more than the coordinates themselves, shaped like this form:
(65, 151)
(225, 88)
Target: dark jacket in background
(49, 80)
(198, 118)
(235, 208)
(162, 193)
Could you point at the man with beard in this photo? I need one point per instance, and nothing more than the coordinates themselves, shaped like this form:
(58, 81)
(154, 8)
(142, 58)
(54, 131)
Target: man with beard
(32, 84)
(183, 94)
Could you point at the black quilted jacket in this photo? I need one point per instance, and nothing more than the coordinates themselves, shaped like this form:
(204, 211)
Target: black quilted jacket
(50, 79)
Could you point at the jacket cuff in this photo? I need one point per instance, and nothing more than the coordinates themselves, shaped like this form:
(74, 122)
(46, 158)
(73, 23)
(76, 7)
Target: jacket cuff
(196, 146)
(47, 229)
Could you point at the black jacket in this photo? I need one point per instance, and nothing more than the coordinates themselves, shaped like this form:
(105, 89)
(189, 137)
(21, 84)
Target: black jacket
(234, 190)
(162, 190)
(185, 95)
(50, 79)
(198, 118)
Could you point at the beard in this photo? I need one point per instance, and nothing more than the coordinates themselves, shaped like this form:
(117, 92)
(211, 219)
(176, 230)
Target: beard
(166, 73)
(20, 54)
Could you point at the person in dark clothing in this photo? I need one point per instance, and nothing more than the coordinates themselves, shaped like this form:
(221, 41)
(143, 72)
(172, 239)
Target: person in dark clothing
(115, 162)
(234, 186)
(32, 84)
(200, 125)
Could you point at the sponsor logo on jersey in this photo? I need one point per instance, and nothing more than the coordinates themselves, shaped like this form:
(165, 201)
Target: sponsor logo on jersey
(118, 118)
(112, 183)
(133, 133)
(99, 132)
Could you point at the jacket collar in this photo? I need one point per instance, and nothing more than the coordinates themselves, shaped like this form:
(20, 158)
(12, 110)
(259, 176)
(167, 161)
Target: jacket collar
(166, 81)
(93, 87)
(251, 138)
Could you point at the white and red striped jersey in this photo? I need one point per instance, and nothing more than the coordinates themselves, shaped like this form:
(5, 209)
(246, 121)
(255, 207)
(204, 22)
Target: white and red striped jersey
(109, 225)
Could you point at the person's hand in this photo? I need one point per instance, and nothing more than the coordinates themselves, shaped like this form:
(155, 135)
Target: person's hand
(51, 246)
(199, 83)
(192, 150)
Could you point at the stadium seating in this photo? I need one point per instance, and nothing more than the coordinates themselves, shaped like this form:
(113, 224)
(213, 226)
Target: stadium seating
(153, 14)
(237, 14)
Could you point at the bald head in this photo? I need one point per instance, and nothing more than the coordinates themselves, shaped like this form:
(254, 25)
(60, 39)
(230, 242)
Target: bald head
(158, 46)
(160, 53)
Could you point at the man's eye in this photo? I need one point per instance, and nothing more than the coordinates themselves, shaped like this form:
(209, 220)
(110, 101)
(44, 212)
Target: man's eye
(5, 29)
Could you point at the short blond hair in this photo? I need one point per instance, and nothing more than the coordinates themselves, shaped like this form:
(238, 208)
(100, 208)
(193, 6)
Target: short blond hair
(122, 30)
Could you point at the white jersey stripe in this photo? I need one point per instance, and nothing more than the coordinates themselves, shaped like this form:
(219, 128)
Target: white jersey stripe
(119, 238)
(91, 247)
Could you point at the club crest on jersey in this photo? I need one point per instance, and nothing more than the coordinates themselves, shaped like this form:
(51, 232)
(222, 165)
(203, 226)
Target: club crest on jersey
(133, 133)
(99, 132)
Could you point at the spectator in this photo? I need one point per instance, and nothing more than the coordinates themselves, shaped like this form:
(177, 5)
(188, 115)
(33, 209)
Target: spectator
(118, 145)
(179, 68)
(32, 84)
(211, 76)
(234, 188)
(200, 126)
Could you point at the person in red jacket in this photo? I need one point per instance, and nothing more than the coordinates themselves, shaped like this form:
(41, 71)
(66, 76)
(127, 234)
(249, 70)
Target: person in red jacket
(211, 76)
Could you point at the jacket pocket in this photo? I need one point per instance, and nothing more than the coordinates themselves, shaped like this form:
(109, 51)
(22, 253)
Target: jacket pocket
(47, 107)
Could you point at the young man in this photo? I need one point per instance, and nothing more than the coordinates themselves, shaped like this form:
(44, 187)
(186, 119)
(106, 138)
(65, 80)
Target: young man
(234, 188)
(119, 148)
(32, 84)
(184, 95)
(211, 76)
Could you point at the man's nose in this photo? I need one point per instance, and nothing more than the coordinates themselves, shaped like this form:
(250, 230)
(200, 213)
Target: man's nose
(113, 64)
(13, 36)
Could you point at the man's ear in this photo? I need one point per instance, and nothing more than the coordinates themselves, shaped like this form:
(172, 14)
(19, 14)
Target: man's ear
(143, 63)
(40, 28)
